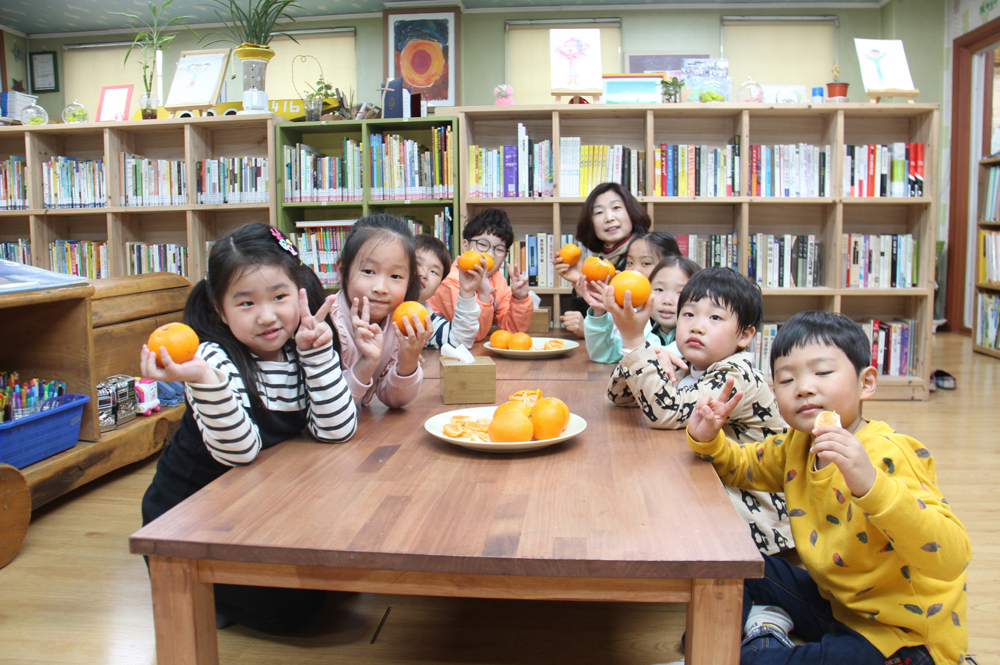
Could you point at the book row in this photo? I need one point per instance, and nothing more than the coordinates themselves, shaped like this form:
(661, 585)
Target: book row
(874, 170)
(312, 177)
(991, 197)
(778, 261)
(989, 256)
(156, 257)
(695, 170)
(711, 251)
(151, 182)
(13, 186)
(583, 167)
(68, 182)
(232, 180)
(879, 261)
(403, 169)
(534, 255)
(790, 170)
(988, 320)
(19, 252)
(512, 171)
(79, 257)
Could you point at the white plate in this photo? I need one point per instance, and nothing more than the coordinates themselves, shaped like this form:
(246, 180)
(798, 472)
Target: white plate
(435, 426)
(536, 350)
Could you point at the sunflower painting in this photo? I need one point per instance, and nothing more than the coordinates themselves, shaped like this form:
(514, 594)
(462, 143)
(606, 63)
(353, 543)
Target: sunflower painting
(422, 50)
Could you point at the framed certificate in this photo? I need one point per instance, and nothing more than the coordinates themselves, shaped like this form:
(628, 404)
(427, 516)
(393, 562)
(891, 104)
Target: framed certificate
(44, 72)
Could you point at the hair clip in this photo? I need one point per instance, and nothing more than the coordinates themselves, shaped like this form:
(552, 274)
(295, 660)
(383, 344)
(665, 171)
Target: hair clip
(285, 244)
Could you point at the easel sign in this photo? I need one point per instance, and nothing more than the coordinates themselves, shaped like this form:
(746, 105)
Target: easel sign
(197, 80)
(884, 69)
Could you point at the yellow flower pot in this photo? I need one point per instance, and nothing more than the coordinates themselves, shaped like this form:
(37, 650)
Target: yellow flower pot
(247, 51)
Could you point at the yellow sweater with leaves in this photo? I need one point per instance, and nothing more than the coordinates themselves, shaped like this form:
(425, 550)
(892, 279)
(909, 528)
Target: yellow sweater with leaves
(892, 562)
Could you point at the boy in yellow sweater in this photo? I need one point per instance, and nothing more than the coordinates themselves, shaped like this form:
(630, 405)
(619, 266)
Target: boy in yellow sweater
(885, 557)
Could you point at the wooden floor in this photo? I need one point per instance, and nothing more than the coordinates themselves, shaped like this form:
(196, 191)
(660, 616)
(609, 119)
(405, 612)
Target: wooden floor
(75, 595)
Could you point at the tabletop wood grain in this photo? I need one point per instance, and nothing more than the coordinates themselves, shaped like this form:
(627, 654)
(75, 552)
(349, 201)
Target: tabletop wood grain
(618, 501)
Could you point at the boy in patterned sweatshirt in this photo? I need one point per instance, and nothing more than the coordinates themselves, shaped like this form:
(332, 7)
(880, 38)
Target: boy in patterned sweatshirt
(885, 557)
(718, 313)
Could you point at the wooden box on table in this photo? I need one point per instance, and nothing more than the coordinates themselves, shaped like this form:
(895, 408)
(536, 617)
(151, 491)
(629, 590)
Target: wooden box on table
(540, 321)
(469, 383)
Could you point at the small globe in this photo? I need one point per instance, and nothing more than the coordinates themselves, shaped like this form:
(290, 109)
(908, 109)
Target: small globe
(74, 112)
(34, 115)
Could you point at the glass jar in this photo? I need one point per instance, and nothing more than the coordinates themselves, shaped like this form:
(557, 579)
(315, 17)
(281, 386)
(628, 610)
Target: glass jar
(74, 112)
(148, 104)
(314, 108)
(750, 92)
(34, 115)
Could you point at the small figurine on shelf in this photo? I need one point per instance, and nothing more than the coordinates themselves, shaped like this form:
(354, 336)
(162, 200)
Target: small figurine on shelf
(836, 91)
(671, 89)
(504, 95)
(145, 392)
(74, 112)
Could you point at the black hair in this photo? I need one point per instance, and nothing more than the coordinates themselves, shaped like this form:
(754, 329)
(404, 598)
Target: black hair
(728, 289)
(380, 227)
(431, 244)
(585, 227)
(684, 263)
(664, 244)
(249, 247)
(493, 221)
(827, 328)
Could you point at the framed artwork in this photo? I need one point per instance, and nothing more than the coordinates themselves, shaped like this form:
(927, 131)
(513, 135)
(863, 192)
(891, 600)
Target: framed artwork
(883, 64)
(114, 103)
(423, 48)
(44, 72)
(197, 79)
(575, 58)
(639, 62)
(632, 88)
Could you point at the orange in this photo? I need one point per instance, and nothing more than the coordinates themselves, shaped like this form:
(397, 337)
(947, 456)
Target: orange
(520, 342)
(570, 254)
(636, 282)
(500, 339)
(408, 309)
(597, 270)
(181, 342)
(510, 427)
(470, 259)
(520, 407)
(548, 418)
(554, 344)
(565, 408)
(453, 430)
(529, 397)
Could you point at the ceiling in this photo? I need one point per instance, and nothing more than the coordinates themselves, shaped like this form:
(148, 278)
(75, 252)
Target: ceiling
(57, 16)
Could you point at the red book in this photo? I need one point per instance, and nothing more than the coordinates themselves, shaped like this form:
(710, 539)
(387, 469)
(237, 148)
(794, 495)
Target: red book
(920, 169)
(911, 170)
(875, 340)
(754, 152)
(664, 163)
(690, 171)
(683, 244)
(870, 180)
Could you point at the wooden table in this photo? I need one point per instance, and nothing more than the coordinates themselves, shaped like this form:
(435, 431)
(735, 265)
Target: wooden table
(575, 365)
(621, 512)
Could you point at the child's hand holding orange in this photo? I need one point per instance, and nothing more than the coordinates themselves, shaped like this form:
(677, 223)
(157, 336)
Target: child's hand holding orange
(592, 293)
(835, 444)
(411, 342)
(470, 280)
(631, 322)
(710, 413)
(195, 370)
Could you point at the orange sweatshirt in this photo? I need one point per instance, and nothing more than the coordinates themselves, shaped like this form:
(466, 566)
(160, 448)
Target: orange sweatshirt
(507, 312)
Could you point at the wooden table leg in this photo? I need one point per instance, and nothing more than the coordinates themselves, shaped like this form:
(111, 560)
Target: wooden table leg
(183, 612)
(714, 626)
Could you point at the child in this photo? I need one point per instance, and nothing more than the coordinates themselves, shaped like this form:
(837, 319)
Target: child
(508, 307)
(378, 268)
(432, 258)
(885, 557)
(719, 311)
(667, 279)
(611, 217)
(645, 251)
(267, 368)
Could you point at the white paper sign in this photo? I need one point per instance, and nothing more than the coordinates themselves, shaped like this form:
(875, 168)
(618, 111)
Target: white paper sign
(575, 58)
(883, 64)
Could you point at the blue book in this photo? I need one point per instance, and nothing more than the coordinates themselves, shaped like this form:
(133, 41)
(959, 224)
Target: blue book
(510, 170)
(670, 170)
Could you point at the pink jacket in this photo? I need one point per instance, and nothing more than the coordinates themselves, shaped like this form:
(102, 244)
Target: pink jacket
(510, 314)
(391, 389)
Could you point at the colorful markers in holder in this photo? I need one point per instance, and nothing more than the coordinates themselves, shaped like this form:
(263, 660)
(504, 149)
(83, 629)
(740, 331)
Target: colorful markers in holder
(18, 400)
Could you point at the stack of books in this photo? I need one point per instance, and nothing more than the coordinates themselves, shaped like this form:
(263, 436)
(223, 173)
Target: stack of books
(524, 170)
(697, 170)
(18, 252)
(583, 167)
(879, 262)
(988, 320)
(163, 257)
(12, 103)
(13, 186)
(68, 182)
(232, 180)
(151, 182)
(405, 170)
(792, 170)
(79, 257)
(989, 257)
(991, 202)
(884, 170)
(778, 261)
(711, 251)
(312, 177)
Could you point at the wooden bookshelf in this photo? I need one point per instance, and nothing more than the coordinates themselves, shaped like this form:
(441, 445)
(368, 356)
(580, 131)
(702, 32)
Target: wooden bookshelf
(983, 287)
(190, 224)
(644, 127)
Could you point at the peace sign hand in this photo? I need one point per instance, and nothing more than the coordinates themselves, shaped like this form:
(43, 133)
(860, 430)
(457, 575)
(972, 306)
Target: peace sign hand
(314, 332)
(367, 336)
(710, 413)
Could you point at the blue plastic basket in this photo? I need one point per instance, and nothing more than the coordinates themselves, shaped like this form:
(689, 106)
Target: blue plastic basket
(26, 440)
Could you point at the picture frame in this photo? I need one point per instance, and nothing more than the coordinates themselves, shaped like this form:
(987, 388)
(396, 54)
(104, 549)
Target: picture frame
(423, 47)
(114, 103)
(44, 71)
(198, 79)
(644, 62)
(632, 88)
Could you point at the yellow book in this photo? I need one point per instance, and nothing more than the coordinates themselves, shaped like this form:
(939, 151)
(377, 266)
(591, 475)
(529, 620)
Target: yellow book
(603, 173)
(658, 169)
(585, 169)
(682, 152)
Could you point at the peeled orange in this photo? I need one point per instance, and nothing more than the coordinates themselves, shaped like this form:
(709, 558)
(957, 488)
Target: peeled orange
(470, 259)
(529, 397)
(510, 427)
(636, 282)
(569, 254)
(181, 342)
(500, 339)
(597, 270)
(520, 342)
(408, 309)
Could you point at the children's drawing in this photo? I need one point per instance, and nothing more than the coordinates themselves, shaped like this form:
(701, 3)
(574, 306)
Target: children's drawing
(575, 58)
(422, 51)
(883, 64)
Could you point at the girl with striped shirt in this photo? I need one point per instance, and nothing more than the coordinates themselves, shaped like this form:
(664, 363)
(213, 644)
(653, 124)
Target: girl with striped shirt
(268, 368)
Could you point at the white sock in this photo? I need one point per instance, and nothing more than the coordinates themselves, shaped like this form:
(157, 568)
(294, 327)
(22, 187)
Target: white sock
(770, 615)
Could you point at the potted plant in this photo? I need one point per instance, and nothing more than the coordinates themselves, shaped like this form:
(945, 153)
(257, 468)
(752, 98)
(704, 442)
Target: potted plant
(670, 89)
(314, 99)
(836, 89)
(252, 30)
(149, 41)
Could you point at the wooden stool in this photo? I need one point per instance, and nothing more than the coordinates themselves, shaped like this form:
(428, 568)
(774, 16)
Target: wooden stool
(15, 512)
(593, 93)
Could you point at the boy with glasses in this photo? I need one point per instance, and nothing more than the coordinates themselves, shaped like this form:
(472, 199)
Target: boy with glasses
(507, 306)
